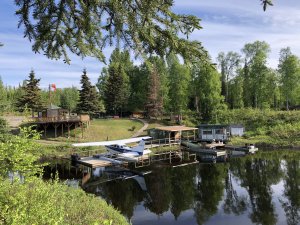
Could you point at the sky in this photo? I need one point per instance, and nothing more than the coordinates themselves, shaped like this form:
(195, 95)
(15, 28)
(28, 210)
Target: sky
(227, 26)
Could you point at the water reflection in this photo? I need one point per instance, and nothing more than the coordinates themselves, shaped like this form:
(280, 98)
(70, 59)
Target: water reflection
(239, 192)
(291, 201)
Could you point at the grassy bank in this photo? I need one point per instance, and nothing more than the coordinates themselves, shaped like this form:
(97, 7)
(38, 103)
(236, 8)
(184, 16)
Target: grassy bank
(39, 202)
(34, 201)
(265, 127)
(101, 130)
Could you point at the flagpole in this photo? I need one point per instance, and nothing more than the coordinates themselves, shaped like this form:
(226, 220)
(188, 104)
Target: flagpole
(50, 94)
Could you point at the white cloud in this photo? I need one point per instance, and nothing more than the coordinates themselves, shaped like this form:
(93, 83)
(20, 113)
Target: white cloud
(228, 25)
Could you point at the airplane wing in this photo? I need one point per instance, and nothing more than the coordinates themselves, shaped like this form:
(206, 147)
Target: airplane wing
(115, 142)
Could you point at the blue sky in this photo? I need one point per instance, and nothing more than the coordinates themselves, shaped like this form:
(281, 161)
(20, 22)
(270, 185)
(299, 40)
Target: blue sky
(227, 26)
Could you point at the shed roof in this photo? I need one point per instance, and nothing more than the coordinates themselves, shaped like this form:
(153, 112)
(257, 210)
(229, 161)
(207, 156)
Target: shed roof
(176, 128)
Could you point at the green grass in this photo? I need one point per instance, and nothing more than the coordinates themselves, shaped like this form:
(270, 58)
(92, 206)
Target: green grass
(102, 130)
(99, 130)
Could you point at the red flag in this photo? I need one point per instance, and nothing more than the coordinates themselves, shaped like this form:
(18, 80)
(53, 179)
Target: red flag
(53, 87)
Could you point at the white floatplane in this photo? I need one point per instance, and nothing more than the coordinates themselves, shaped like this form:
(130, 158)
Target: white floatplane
(119, 148)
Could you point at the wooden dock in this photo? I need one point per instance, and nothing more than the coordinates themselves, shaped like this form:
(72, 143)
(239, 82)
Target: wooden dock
(145, 160)
(246, 149)
(94, 162)
(204, 151)
(212, 152)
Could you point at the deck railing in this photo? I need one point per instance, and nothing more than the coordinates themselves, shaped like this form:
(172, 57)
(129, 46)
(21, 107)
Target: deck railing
(65, 118)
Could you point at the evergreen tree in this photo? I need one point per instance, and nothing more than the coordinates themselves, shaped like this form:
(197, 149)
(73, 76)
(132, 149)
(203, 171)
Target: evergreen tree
(88, 97)
(154, 104)
(87, 27)
(139, 85)
(114, 92)
(117, 85)
(31, 97)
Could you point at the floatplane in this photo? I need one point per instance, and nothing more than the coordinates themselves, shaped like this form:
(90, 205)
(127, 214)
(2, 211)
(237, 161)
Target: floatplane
(118, 150)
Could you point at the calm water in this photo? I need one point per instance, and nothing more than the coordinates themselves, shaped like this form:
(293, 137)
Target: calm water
(261, 189)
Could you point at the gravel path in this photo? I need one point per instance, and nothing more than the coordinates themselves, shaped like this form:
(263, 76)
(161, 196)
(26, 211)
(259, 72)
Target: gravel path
(140, 131)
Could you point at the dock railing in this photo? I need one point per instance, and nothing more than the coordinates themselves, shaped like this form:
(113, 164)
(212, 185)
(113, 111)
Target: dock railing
(156, 143)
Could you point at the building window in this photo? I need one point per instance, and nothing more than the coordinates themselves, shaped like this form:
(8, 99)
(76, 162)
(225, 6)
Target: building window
(207, 132)
(219, 131)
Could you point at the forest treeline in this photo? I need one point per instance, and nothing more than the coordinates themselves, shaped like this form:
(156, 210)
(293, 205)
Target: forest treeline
(171, 86)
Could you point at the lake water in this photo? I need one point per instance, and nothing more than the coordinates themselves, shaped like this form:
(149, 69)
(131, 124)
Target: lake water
(260, 189)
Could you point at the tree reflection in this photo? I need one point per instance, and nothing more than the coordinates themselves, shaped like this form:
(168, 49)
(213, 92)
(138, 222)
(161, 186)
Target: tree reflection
(183, 189)
(233, 203)
(210, 190)
(291, 204)
(159, 190)
(257, 175)
(123, 195)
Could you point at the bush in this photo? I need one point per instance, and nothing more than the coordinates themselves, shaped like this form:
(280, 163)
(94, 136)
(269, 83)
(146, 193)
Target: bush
(39, 202)
(3, 125)
(288, 132)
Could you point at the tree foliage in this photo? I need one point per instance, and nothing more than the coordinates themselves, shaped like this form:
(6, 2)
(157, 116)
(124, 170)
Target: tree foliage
(88, 97)
(154, 105)
(207, 89)
(289, 69)
(69, 98)
(116, 86)
(18, 154)
(87, 27)
(266, 3)
(31, 96)
(179, 78)
(229, 64)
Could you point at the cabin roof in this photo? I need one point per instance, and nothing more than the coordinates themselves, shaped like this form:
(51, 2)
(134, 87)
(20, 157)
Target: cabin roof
(175, 128)
(236, 126)
(52, 106)
(216, 126)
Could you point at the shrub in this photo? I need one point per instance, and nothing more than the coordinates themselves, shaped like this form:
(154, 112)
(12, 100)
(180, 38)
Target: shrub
(39, 202)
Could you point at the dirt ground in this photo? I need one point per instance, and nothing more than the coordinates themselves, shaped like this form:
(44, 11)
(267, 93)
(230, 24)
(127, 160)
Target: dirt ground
(14, 121)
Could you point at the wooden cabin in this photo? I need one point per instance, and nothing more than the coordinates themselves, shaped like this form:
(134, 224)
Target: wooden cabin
(53, 111)
(57, 117)
(213, 132)
(218, 132)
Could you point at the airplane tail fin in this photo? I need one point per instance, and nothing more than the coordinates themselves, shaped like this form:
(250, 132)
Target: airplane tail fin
(140, 148)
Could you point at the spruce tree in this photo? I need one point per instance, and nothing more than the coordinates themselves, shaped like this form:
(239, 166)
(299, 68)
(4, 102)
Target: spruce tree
(154, 105)
(31, 97)
(113, 93)
(87, 27)
(116, 83)
(88, 96)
